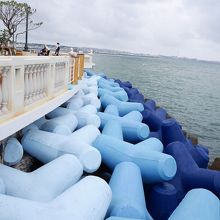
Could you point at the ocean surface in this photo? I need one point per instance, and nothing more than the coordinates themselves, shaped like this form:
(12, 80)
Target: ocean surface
(188, 89)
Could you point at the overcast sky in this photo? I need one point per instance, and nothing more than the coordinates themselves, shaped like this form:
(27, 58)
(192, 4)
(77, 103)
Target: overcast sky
(187, 28)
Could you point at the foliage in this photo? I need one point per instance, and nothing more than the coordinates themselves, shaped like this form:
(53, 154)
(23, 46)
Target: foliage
(4, 37)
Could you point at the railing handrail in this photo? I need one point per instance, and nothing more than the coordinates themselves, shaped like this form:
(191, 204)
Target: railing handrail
(26, 80)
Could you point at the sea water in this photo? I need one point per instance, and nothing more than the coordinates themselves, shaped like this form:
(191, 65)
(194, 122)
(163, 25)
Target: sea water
(188, 89)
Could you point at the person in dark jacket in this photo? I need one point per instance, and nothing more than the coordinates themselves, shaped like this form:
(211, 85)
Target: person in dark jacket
(57, 51)
(45, 51)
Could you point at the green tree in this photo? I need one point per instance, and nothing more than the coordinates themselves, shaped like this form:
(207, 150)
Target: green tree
(13, 15)
(3, 37)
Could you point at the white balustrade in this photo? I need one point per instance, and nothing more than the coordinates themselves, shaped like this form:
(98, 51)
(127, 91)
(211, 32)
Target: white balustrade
(32, 86)
(37, 78)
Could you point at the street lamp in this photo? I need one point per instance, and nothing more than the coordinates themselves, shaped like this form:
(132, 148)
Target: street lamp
(26, 33)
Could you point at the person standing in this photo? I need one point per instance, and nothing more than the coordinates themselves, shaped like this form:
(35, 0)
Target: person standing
(72, 53)
(57, 51)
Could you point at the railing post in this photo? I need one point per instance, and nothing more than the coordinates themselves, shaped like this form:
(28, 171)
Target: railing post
(76, 70)
(72, 70)
(81, 65)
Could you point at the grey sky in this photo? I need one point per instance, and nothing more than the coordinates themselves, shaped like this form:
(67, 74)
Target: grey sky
(188, 28)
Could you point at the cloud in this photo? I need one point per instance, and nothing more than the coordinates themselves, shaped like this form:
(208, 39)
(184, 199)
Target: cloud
(169, 27)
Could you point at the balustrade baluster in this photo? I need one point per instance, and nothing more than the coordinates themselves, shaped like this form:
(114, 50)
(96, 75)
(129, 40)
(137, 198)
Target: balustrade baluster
(63, 74)
(41, 80)
(45, 72)
(55, 77)
(5, 90)
(59, 75)
(34, 83)
(38, 81)
(26, 85)
(31, 89)
(72, 70)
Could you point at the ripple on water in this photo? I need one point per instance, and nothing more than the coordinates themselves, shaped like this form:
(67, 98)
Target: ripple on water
(188, 89)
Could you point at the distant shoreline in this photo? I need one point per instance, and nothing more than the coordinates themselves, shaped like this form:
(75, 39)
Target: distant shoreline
(38, 46)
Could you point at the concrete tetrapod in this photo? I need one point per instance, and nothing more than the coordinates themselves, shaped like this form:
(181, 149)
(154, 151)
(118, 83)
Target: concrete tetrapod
(189, 175)
(89, 86)
(171, 132)
(88, 83)
(114, 129)
(45, 183)
(198, 204)
(46, 146)
(91, 73)
(81, 99)
(91, 81)
(91, 99)
(120, 95)
(85, 115)
(152, 120)
(86, 134)
(150, 105)
(64, 124)
(127, 193)
(133, 130)
(111, 83)
(162, 200)
(123, 107)
(164, 197)
(133, 94)
(137, 98)
(13, 152)
(155, 166)
(134, 115)
(90, 89)
(123, 84)
(161, 113)
(40, 121)
(85, 118)
(87, 199)
(110, 88)
(90, 109)
(29, 127)
(74, 103)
